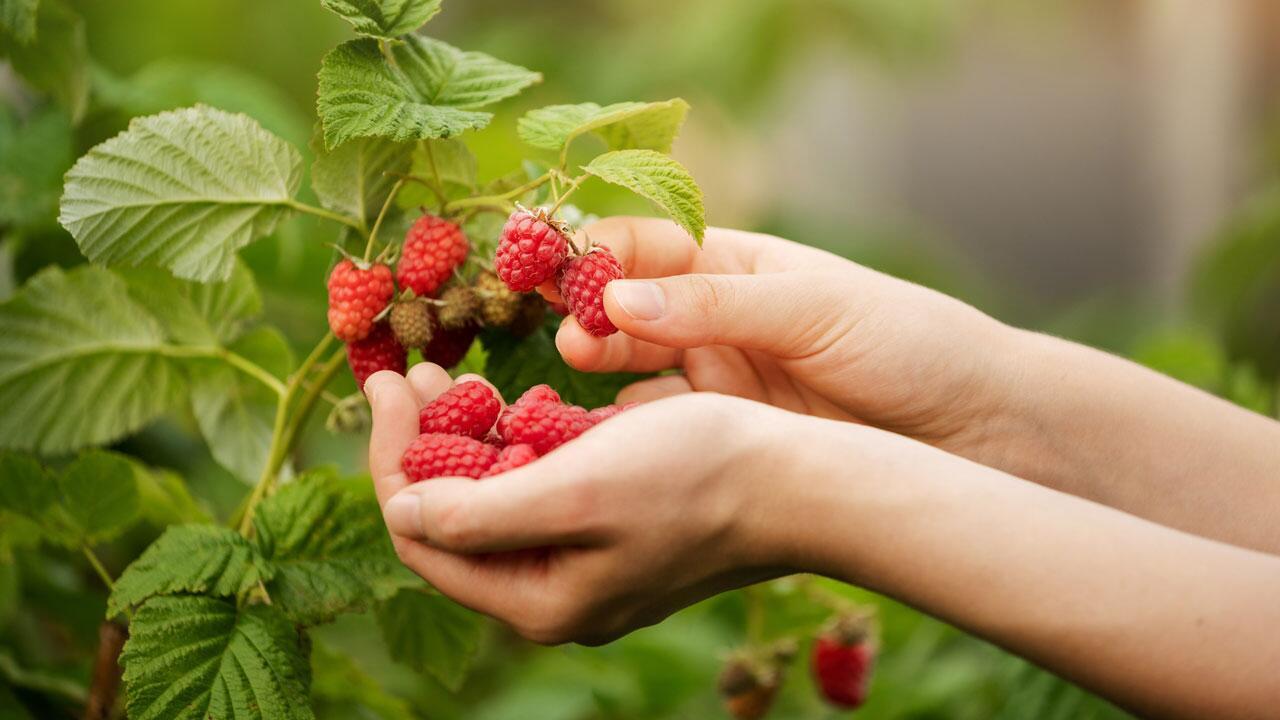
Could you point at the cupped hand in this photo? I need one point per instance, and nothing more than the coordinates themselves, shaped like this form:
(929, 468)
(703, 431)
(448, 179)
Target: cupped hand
(766, 319)
(642, 515)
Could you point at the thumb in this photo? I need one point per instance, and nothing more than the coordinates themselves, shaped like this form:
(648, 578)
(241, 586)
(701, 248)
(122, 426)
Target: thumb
(781, 313)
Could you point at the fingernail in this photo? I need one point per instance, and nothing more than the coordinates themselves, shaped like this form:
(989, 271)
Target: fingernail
(371, 389)
(404, 515)
(641, 300)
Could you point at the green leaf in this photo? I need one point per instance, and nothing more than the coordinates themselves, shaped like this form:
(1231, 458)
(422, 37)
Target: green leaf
(99, 493)
(25, 488)
(200, 559)
(517, 364)
(453, 162)
(340, 686)
(473, 362)
(355, 177)
(192, 313)
(432, 91)
(184, 189)
(57, 62)
(384, 18)
(658, 178)
(81, 363)
(431, 633)
(33, 156)
(622, 126)
(198, 658)
(18, 17)
(235, 412)
(165, 498)
(329, 547)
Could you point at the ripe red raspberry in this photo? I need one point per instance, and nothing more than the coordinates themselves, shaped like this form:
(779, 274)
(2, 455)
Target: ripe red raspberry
(601, 414)
(433, 248)
(535, 394)
(529, 251)
(512, 457)
(448, 347)
(545, 426)
(439, 455)
(379, 351)
(842, 661)
(356, 297)
(582, 282)
(468, 408)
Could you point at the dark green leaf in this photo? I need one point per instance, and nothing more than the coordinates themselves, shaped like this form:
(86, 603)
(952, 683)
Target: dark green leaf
(99, 493)
(515, 365)
(431, 633)
(200, 559)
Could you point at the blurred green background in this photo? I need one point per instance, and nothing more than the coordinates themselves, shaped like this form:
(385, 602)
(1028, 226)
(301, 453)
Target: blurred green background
(1105, 171)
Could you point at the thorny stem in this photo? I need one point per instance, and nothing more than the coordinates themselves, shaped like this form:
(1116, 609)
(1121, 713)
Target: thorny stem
(382, 214)
(327, 215)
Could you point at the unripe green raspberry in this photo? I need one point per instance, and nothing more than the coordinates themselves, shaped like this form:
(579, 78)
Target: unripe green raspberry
(459, 308)
(499, 305)
(411, 322)
(533, 311)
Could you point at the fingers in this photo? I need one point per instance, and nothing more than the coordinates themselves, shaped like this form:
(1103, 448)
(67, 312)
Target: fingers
(493, 586)
(646, 247)
(395, 425)
(429, 381)
(588, 353)
(528, 507)
(655, 389)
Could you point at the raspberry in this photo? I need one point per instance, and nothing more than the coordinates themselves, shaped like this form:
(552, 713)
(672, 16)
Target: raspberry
(499, 306)
(411, 322)
(448, 347)
(468, 408)
(433, 248)
(438, 455)
(529, 251)
(461, 305)
(582, 283)
(748, 691)
(356, 297)
(512, 457)
(601, 414)
(379, 351)
(842, 660)
(533, 311)
(532, 396)
(545, 426)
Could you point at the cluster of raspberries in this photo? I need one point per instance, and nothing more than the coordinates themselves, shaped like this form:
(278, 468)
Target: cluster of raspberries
(466, 433)
(437, 311)
(534, 249)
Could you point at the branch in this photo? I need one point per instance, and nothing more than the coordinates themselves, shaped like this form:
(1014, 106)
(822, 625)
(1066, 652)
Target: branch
(105, 685)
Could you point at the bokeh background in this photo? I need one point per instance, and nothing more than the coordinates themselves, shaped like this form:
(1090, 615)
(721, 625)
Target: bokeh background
(1105, 171)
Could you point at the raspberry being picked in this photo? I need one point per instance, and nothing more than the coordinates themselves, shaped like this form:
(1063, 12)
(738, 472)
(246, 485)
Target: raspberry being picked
(582, 281)
(378, 351)
(356, 296)
(530, 250)
(842, 660)
(468, 408)
(439, 455)
(433, 249)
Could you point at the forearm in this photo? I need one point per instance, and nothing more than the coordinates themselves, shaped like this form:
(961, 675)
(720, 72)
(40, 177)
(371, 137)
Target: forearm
(1103, 428)
(1155, 619)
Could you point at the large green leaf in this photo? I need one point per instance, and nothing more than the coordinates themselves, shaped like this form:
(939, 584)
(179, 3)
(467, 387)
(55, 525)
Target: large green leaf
(431, 633)
(57, 62)
(33, 156)
(166, 499)
(235, 412)
(25, 488)
(199, 658)
(385, 18)
(658, 178)
(202, 559)
(18, 18)
(194, 313)
(432, 90)
(355, 177)
(184, 189)
(622, 126)
(81, 363)
(329, 547)
(99, 493)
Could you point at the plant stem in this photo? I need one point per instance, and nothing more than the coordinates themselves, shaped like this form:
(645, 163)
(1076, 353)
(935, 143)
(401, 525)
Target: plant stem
(428, 184)
(501, 200)
(98, 567)
(308, 402)
(567, 192)
(350, 222)
(254, 370)
(435, 175)
(755, 614)
(386, 54)
(377, 223)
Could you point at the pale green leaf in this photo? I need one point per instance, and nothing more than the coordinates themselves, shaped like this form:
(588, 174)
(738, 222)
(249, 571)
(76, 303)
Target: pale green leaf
(193, 313)
(81, 363)
(165, 498)
(198, 559)
(234, 411)
(18, 17)
(658, 178)
(184, 189)
(57, 62)
(355, 177)
(432, 634)
(199, 658)
(99, 493)
(432, 90)
(33, 156)
(342, 689)
(329, 547)
(452, 161)
(384, 18)
(622, 126)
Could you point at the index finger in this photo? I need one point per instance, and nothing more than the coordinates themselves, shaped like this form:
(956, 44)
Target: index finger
(646, 247)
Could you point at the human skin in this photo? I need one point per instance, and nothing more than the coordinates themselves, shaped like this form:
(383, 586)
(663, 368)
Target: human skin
(879, 422)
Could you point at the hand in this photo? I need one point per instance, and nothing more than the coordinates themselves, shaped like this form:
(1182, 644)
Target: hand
(769, 320)
(640, 516)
